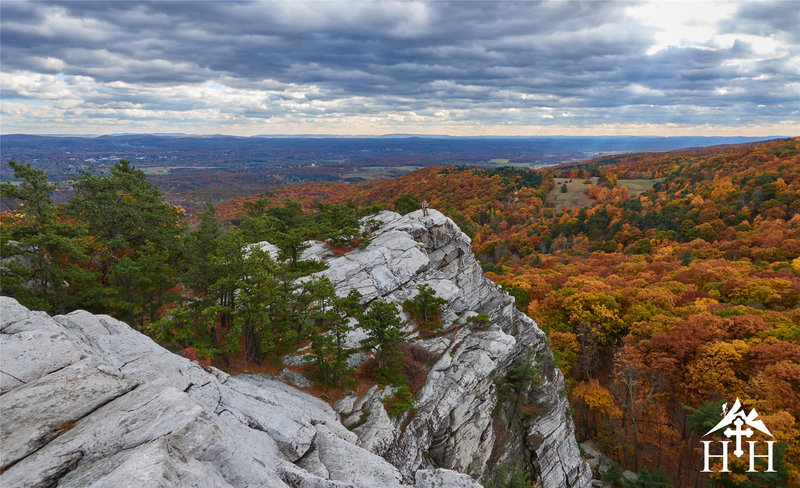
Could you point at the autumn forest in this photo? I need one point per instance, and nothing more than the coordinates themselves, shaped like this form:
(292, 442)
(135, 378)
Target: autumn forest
(661, 306)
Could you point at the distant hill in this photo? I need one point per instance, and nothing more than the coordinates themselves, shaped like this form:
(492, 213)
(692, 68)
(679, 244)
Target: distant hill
(432, 144)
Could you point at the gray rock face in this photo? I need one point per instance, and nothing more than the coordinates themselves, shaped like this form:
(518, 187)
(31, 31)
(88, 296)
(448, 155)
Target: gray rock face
(88, 401)
(454, 426)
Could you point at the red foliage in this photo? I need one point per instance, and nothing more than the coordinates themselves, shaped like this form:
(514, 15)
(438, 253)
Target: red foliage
(190, 353)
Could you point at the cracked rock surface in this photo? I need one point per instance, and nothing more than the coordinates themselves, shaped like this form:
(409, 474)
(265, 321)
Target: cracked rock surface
(89, 402)
(458, 423)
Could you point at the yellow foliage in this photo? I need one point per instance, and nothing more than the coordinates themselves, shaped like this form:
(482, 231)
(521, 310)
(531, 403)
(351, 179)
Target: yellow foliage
(598, 310)
(596, 398)
(719, 370)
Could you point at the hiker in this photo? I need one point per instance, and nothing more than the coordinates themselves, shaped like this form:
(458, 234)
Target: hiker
(425, 208)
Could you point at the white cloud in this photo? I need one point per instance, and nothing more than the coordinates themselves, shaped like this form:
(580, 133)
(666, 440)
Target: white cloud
(682, 23)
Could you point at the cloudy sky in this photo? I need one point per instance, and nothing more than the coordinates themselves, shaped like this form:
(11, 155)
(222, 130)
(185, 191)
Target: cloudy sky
(459, 68)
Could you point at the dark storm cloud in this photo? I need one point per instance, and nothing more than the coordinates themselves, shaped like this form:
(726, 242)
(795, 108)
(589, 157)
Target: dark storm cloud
(777, 18)
(414, 56)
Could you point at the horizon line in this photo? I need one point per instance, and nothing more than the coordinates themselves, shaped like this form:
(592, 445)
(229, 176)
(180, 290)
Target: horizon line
(388, 135)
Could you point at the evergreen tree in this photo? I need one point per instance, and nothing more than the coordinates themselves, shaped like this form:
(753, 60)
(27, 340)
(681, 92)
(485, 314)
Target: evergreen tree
(140, 282)
(425, 307)
(384, 334)
(256, 296)
(44, 260)
(330, 314)
(339, 223)
(203, 268)
(406, 203)
(129, 218)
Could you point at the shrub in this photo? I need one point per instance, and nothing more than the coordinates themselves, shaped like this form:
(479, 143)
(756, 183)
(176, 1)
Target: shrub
(425, 308)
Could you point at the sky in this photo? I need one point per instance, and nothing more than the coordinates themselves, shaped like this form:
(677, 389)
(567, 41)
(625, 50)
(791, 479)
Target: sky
(367, 68)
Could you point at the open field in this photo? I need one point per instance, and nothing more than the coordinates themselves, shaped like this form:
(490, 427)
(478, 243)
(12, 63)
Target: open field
(637, 187)
(165, 170)
(576, 191)
(574, 197)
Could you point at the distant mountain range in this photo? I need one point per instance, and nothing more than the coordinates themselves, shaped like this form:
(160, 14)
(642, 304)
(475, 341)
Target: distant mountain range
(345, 147)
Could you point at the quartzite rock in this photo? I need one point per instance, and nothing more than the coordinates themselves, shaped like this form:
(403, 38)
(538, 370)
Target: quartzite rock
(88, 401)
(97, 404)
(453, 426)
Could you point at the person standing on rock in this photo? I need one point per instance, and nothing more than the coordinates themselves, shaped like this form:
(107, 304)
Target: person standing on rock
(425, 208)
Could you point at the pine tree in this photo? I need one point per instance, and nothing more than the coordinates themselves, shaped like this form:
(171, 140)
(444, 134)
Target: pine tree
(406, 203)
(384, 334)
(127, 215)
(425, 307)
(44, 260)
(330, 314)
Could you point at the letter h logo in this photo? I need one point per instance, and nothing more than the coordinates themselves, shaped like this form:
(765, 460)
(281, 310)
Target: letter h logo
(737, 417)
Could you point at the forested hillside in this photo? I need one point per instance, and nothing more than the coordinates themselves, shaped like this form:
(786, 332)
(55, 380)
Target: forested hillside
(673, 291)
(661, 306)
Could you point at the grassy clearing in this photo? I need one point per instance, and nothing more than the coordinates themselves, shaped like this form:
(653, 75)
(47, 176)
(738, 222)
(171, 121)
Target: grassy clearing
(639, 186)
(576, 191)
(574, 197)
(165, 170)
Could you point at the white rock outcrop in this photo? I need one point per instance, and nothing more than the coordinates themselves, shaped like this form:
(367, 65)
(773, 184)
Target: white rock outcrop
(457, 423)
(87, 401)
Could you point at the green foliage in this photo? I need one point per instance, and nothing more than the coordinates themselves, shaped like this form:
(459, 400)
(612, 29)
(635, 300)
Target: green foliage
(729, 312)
(136, 232)
(402, 401)
(521, 297)
(494, 268)
(515, 477)
(482, 320)
(760, 478)
(33, 193)
(339, 223)
(124, 210)
(564, 188)
(45, 260)
(649, 479)
(523, 373)
(371, 209)
(523, 370)
(406, 203)
(704, 418)
(384, 334)
(614, 475)
(330, 316)
(609, 246)
(258, 302)
(425, 308)
(643, 246)
(139, 284)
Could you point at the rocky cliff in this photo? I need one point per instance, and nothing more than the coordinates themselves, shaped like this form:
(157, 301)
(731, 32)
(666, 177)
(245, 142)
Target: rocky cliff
(88, 401)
